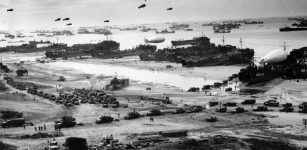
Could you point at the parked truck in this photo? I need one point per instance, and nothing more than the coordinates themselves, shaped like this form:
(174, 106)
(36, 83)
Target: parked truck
(16, 122)
(249, 102)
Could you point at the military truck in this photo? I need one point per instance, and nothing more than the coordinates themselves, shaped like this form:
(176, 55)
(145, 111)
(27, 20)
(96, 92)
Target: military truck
(132, 115)
(238, 110)
(221, 110)
(53, 145)
(66, 122)
(211, 104)
(261, 108)
(287, 109)
(16, 122)
(230, 104)
(303, 110)
(272, 103)
(179, 111)
(167, 101)
(249, 102)
(302, 105)
(104, 119)
(10, 114)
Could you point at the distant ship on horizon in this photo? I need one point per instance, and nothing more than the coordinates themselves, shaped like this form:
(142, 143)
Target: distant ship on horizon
(288, 29)
(164, 32)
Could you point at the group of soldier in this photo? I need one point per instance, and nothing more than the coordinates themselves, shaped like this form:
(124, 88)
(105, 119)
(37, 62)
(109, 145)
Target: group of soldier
(40, 128)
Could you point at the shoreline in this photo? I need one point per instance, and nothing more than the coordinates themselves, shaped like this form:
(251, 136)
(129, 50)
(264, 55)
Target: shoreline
(209, 72)
(87, 113)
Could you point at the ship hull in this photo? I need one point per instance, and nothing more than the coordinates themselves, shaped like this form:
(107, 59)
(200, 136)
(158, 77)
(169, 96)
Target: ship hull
(292, 29)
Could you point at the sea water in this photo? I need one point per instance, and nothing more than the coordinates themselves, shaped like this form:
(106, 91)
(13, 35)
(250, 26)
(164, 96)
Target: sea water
(263, 38)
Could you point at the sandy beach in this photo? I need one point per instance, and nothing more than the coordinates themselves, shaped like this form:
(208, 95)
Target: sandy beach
(48, 73)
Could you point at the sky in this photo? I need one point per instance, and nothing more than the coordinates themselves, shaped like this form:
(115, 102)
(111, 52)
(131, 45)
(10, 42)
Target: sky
(40, 14)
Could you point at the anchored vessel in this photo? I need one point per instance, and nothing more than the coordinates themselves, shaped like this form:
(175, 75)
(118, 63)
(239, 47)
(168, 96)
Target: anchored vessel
(104, 50)
(201, 53)
(287, 29)
(164, 32)
(292, 66)
(179, 26)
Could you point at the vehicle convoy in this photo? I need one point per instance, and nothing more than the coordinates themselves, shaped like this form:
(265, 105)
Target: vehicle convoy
(16, 122)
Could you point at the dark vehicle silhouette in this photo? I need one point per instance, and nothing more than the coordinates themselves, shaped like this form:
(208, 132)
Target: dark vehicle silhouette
(230, 104)
(272, 103)
(221, 110)
(287, 109)
(248, 102)
(261, 108)
(16, 122)
(287, 105)
(302, 105)
(211, 104)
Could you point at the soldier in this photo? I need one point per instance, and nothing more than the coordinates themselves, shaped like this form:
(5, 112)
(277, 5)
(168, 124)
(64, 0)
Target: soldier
(35, 128)
(45, 127)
